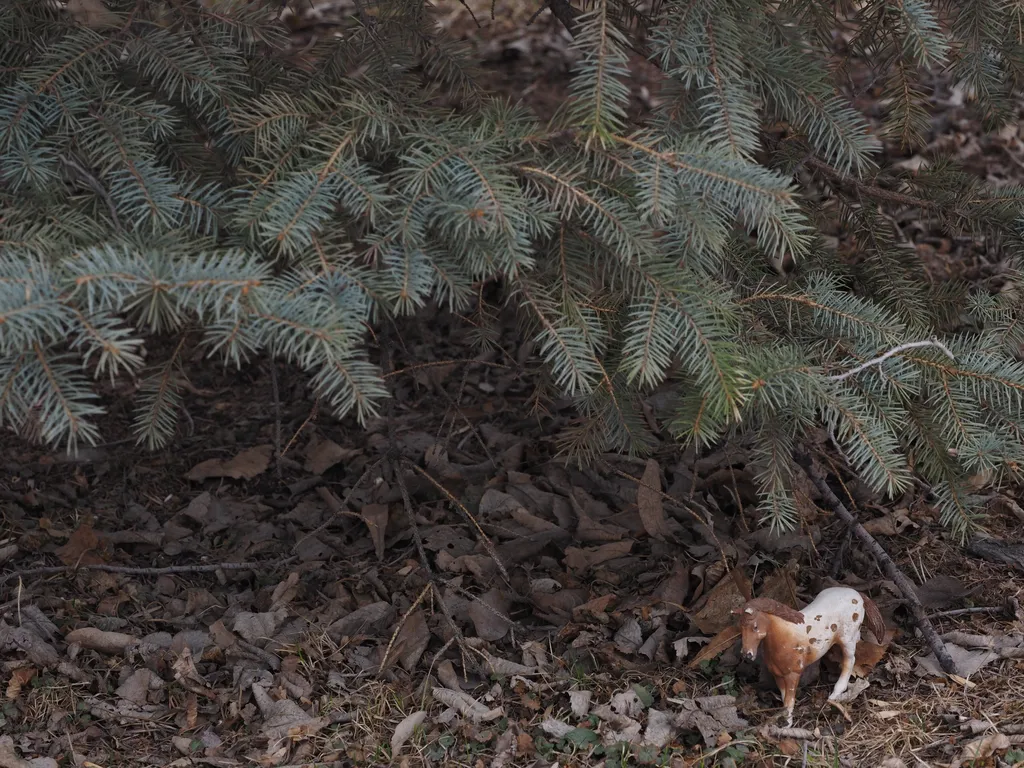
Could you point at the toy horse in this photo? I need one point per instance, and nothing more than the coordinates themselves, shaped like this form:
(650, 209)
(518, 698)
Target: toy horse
(794, 639)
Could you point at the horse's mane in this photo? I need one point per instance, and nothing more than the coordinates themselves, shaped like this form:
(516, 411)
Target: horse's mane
(774, 607)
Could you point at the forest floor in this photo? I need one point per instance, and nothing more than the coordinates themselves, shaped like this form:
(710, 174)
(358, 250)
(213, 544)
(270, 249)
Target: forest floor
(440, 589)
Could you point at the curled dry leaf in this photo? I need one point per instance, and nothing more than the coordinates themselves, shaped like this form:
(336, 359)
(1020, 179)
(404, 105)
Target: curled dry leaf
(10, 759)
(7, 552)
(98, 640)
(503, 667)
(466, 705)
(20, 677)
(37, 650)
(556, 728)
(285, 719)
(405, 729)
(245, 466)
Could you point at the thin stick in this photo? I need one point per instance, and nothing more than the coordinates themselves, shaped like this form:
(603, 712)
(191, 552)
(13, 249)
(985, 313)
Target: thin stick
(881, 556)
(890, 353)
(51, 570)
(965, 611)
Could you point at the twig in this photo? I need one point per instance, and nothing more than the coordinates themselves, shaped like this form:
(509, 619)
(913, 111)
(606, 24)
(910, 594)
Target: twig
(894, 351)
(51, 570)
(484, 538)
(964, 611)
(870, 189)
(881, 556)
(312, 415)
(394, 458)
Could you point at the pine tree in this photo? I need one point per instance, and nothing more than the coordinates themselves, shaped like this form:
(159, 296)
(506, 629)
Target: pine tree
(167, 170)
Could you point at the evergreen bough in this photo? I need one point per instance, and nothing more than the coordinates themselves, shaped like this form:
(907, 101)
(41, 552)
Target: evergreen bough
(166, 169)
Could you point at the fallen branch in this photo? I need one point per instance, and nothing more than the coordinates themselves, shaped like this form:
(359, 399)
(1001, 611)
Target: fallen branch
(904, 584)
(51, 570)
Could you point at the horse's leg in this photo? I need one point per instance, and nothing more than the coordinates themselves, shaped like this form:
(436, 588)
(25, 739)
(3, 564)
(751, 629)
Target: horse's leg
(787, 685)
(849, 646)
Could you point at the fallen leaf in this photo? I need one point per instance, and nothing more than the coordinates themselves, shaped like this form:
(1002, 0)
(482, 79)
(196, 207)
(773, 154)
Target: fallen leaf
(966, 662)
(579, 703)
(890, 524)
(711, 715)
(137, 686)
(376, 518)
(590, 531)
(673, 591)
(726, 595)
(373, 617)
(258, 628)
(20, 677)
(582, 559)
(505, 748)
(83, 548)
(868, 654)
(980, 749)
(325, 454)
(412, 640)
(661, 728)
(39, 652)
(941, 591)
(719, 643)
(285, 719)
(629, 636)
(93, 14)
(9, 758)
(489, 614)
(245, 466)
(556, 728)
(405, 729)
(650, 504)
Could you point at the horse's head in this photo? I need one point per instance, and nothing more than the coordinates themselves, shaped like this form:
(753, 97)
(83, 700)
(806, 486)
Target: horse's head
(754, 628)
(755, 621)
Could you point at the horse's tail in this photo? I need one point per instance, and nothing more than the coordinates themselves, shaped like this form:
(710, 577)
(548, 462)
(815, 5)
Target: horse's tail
(873, 619)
